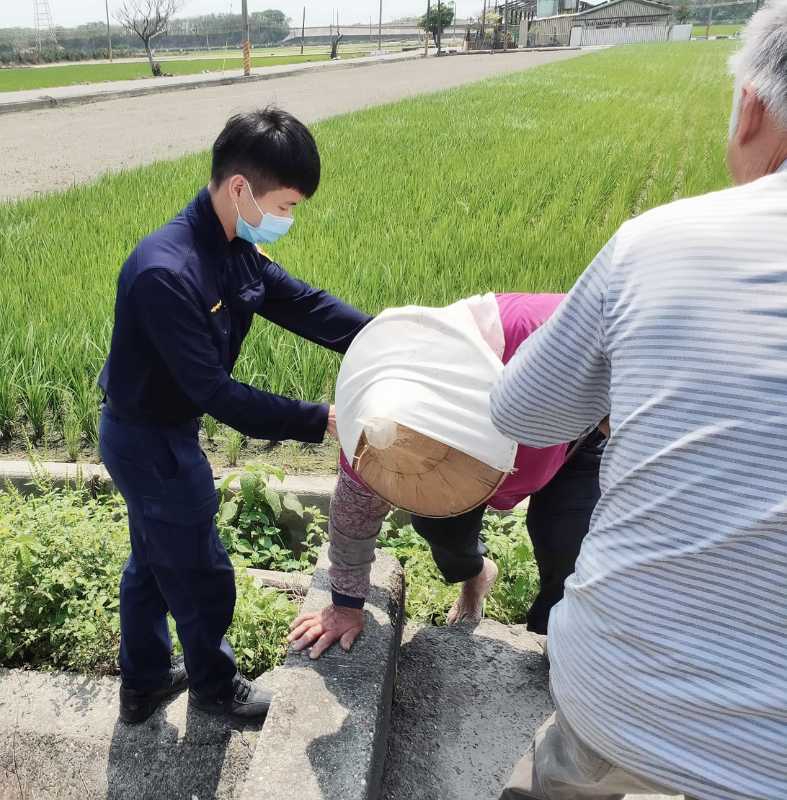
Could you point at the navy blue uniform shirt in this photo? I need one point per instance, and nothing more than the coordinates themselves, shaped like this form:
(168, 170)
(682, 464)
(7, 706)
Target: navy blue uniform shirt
(186, 298)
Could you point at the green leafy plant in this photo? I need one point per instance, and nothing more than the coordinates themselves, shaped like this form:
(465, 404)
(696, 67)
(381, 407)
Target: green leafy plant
(509, 546)
(250, 521)
(259, 626)
(429, 597)
(61, 555)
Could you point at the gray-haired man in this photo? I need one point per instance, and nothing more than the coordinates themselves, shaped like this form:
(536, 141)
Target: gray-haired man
(669, 650)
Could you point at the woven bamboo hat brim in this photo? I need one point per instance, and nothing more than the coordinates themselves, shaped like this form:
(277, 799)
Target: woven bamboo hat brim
(424, 476)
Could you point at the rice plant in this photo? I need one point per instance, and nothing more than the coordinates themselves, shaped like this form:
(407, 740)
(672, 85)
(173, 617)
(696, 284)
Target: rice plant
(211, 427)
(234, 444)
(9, 398)
(72, 434)
(36, 395)
(511, 184)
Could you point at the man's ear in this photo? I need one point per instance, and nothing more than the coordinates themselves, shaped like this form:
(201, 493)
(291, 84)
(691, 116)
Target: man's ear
(752, 114)
(235, 186)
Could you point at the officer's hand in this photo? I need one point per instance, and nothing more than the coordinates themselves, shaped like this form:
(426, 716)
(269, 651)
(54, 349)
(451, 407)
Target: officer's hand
(322, 628)
(332, 422)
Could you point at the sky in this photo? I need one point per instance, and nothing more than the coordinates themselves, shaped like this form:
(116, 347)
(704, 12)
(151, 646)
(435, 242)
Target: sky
(19, 13)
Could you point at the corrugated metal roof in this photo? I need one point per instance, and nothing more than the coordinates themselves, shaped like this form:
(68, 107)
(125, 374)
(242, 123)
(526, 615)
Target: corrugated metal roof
(664, 7)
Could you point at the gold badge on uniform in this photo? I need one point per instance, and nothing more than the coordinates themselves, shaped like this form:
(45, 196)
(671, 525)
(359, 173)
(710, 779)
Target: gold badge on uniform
(217, 307)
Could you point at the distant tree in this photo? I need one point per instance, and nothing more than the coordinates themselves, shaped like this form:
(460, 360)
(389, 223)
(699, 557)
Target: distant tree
(682, 12)
(147, 19)
(432, 21)
(272, 25)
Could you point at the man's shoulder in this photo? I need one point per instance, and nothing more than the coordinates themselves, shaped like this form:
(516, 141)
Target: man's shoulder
(723, 209)
(170, 248)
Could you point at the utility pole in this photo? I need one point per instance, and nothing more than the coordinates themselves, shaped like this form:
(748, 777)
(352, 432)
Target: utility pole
(505, 27)
(246, 42)
(380, 28)
(303, 28)
(710, 22)
(439, 29)
(109, 33)
(483, 26)
(428, 31)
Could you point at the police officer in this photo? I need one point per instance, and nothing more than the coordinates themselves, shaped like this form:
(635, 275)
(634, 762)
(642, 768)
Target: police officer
(186, 298)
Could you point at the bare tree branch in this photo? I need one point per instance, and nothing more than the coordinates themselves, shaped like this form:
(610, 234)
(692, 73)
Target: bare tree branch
(147, 19)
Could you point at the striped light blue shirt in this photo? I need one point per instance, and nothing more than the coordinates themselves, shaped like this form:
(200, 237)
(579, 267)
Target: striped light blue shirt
(669, 651)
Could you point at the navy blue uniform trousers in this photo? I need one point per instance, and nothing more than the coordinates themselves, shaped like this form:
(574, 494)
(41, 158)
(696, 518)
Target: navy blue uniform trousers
(177, 563)
(558, 518)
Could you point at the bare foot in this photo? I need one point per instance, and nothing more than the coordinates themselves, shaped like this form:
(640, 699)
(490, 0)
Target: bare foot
(469, 606)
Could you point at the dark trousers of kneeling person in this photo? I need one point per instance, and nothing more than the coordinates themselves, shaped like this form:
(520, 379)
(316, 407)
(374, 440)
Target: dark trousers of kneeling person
(558, 518)
(177, 563)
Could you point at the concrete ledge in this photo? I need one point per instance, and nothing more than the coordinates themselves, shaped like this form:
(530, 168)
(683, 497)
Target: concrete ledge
(324, 738)
(60, 739)
(312, 490)
(326, 734)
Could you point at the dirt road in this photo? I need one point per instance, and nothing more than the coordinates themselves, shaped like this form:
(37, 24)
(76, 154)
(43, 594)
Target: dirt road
(53, 149)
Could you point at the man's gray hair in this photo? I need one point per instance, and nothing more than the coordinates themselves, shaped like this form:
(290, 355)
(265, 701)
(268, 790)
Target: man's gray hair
(762, 62)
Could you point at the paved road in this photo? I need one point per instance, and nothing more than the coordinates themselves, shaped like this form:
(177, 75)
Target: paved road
(55, 148)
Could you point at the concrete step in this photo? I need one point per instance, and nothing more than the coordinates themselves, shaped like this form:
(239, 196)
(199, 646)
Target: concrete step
(466, 704)
(325, 737)
(60, 738)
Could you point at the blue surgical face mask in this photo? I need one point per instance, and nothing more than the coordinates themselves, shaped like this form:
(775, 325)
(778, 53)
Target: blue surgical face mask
(268, 231)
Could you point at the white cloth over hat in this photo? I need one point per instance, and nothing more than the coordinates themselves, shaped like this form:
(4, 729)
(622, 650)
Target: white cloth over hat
(429, 369)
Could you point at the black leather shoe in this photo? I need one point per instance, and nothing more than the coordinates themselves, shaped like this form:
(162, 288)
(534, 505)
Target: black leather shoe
(247, 701)
(137, 706)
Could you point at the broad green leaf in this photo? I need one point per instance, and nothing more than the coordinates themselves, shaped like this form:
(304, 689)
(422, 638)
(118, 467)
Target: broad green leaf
(273, 500)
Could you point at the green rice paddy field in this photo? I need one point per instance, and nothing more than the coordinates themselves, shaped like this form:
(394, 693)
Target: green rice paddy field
(717, 30)
(512, 184)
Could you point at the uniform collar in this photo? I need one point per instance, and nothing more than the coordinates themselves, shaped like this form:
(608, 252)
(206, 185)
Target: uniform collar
(210, 233)
(207, 226)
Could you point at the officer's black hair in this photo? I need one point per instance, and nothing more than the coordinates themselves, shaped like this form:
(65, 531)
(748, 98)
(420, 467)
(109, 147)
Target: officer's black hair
(269, 147)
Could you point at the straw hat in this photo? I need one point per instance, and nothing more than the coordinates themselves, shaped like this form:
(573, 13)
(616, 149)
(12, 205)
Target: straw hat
(425, 476)
(412, 407)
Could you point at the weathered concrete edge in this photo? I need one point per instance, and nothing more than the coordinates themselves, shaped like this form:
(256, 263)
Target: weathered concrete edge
(312, 490)
(48, 101)
(327, 731)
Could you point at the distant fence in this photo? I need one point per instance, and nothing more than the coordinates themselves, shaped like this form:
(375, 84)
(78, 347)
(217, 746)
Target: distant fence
(632, 34)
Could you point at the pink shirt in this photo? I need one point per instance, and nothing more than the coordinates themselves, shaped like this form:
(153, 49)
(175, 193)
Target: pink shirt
(520, 315)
